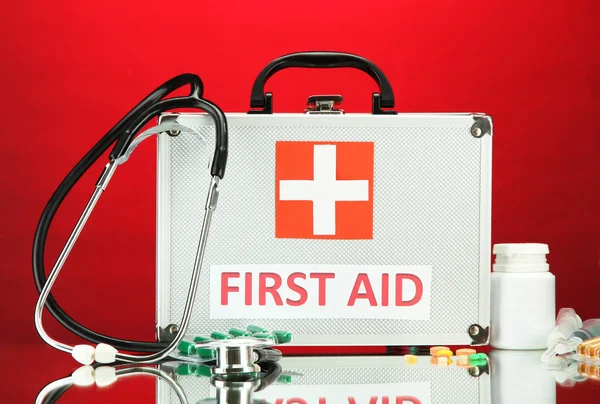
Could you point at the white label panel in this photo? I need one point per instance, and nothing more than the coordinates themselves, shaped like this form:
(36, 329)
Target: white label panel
(401, 292)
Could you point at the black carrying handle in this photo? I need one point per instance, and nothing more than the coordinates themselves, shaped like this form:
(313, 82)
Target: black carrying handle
(262, 103)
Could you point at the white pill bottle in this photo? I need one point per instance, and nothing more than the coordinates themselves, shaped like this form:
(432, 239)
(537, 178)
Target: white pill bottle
(522, 297)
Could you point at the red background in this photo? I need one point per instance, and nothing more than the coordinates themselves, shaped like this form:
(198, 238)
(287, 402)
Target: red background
(70, 70)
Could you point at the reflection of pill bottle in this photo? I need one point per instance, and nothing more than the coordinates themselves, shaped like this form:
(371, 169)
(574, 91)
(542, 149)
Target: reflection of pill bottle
(518, 378)
(522, 297)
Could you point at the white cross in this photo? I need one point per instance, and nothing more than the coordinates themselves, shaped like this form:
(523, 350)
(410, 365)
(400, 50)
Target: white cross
(324, 190)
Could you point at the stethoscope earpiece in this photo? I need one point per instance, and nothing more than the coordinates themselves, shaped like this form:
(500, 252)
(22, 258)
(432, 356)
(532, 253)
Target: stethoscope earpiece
(87, 354)
(102, 376)
(84, 354)
(83, 376)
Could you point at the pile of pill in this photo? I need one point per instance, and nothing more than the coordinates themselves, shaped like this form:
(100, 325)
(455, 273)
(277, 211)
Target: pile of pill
(442, 356)
(189, 347)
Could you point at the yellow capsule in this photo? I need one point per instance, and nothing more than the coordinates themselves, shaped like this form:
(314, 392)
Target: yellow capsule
(444, 352)
(435, 349)
(410, 359)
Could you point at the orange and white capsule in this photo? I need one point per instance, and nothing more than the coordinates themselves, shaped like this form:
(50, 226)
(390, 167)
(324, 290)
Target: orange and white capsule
(462, 361)
(465, 352)
(443, 361)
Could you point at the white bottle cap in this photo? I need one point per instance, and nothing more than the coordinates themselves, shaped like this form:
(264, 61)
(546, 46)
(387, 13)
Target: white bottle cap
(521, 257)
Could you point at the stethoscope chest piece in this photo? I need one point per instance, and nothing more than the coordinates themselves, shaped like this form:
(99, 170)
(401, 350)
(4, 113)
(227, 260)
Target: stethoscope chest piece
(238, 392)
(237, 359)
(235, 356)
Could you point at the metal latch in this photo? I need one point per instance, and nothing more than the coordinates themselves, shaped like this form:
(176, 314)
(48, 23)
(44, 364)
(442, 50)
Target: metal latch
(324, 104)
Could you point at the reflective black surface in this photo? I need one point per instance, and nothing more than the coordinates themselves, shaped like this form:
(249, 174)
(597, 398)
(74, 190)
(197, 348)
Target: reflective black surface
(508, 377)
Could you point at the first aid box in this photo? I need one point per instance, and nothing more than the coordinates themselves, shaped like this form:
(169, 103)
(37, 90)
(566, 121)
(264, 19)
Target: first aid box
(343, 228)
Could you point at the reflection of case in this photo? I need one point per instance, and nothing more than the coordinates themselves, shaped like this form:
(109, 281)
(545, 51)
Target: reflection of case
(338, 380)
(431, 203)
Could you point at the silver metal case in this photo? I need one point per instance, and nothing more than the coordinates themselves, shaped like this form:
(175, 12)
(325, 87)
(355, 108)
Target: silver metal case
(431, 196)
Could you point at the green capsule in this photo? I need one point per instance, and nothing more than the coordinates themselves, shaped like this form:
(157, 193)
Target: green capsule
(238, 332)
(201, 338)
(283, 337)
(477, 357)
(203, 370)
(186, 369)
(265, 335)
(221, 335)
(206, 353)
(187, 347)
(254, 329)
(479, 363)
(284, 379)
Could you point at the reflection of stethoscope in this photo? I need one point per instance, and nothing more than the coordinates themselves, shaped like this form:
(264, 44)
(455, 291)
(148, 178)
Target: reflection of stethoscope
(123, 136)
(229, 390)
(102, 377)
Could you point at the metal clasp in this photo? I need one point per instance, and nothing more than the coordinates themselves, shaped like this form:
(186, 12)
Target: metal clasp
(324, 105)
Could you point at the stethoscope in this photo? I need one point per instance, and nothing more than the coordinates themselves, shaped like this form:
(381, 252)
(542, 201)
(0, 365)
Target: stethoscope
(122, 135)
(102, 377)
(229, 390)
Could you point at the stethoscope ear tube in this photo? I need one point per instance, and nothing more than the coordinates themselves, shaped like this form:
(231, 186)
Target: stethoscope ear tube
(122, 133)
(220, 153)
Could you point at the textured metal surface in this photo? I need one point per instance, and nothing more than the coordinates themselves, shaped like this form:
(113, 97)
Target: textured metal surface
(427, 185)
